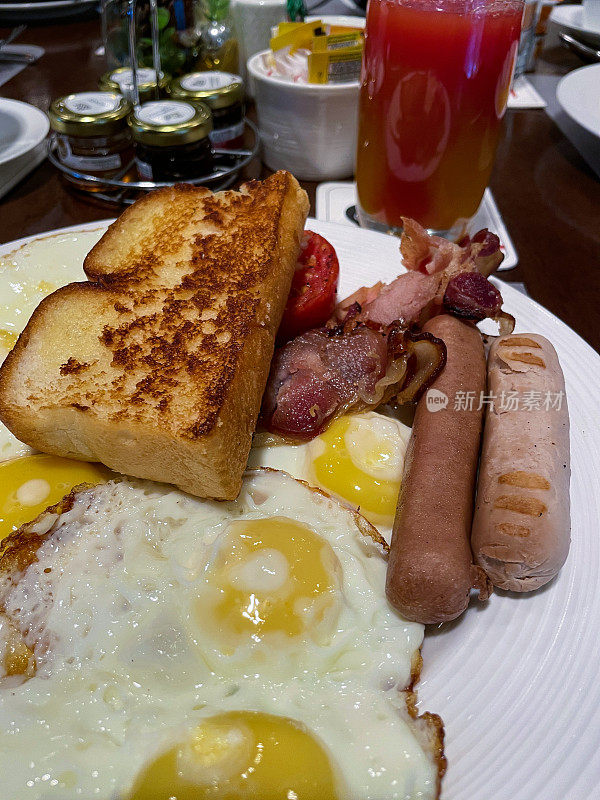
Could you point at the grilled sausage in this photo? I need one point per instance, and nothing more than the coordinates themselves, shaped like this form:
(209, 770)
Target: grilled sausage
(430, 570)
(521, 526)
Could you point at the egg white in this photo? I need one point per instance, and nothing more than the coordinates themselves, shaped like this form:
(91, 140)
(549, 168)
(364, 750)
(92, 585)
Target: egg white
(367, 432)
(124, 670)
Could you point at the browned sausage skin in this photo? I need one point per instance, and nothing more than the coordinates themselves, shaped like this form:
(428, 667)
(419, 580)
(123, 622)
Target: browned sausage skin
(430, 570)
(521, 525)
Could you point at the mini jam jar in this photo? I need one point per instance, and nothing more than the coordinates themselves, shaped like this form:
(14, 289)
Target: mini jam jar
(121, 80)
(223, 93)
(172, 140)
(92, 134)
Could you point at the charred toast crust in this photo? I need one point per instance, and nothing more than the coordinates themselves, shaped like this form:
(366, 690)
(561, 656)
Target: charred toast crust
(164, 354)
(170, 340)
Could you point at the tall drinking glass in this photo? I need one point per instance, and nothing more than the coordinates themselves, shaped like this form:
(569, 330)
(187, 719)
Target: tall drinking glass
(435, 82)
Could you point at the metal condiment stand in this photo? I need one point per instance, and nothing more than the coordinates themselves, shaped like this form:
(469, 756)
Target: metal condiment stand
(123, 192)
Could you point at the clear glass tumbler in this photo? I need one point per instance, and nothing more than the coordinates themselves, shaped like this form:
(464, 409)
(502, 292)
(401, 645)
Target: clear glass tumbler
(435, 82)
(176, 33)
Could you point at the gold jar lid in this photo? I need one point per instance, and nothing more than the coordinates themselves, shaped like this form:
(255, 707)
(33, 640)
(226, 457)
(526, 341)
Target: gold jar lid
(121, 80)
(216, 89)
(170, 122)
(89, 113)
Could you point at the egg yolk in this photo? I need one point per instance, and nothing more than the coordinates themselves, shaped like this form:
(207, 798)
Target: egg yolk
(362, 465)
(30, 484)
(271, 576)
(8, 339)
(241, 755)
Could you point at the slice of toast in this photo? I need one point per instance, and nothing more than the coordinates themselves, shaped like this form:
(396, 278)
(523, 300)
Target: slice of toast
(156, 366)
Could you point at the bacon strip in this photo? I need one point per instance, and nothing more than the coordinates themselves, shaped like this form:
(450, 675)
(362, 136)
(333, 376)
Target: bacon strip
(325, 373)
(432, 254)
(433, 264)
(409, 298)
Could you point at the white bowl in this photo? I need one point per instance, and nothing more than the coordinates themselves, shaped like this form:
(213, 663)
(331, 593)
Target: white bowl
(309, 129)
(339, 19)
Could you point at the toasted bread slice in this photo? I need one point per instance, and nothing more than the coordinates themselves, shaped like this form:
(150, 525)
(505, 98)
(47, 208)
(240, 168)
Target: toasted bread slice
(156, 365)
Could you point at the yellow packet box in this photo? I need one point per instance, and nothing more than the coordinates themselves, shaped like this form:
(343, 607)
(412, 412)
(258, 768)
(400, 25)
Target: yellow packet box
(335, 41)
(335, 66)
(294, 35)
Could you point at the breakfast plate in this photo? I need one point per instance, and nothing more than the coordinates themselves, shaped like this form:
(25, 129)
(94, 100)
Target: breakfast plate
(515, 680)
(22, 129)
(578, 94)
(570, 19)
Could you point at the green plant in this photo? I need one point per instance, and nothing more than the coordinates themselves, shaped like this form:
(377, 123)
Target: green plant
(172, 55)
(217, 10)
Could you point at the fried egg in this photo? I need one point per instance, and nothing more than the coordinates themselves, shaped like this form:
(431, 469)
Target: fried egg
(27, 275)
(193, 649)
(30, 484)
(239, 755)
(359, 459)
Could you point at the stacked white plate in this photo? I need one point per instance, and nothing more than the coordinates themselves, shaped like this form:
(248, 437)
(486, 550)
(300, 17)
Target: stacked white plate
(579, 95)
(23, 130)
(569, 18)
(16, 11)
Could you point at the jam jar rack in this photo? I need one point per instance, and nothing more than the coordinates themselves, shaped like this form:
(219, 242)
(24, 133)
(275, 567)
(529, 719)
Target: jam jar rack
(120, 189)
(227, 166)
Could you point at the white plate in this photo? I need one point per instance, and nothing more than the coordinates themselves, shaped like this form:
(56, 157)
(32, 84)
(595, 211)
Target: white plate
(570, 19)
(22, 128)
(46, 9)
(579, 95)
(516, 682)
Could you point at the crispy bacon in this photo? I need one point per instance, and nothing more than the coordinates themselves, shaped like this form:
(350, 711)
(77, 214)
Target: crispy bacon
(325, 373)
(368, 355)
(428, 254)
(433, 254)
(426, 361)
(433, 264)
(471, 296)
(410, 298)
(486, 252)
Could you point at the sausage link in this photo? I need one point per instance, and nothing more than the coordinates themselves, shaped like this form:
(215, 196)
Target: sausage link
(430, 570)
(521, 528)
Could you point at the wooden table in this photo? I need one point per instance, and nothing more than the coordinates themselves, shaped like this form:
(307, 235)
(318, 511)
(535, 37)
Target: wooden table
(549, 198)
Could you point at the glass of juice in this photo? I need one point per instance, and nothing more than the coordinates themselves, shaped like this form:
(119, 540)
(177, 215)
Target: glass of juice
(435, 81)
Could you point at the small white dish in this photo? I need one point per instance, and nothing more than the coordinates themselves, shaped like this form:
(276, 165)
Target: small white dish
(22, 129)
(571, 19)
(339, 19)
(309, 129)
(579, 95)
